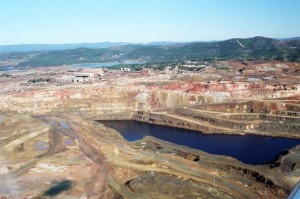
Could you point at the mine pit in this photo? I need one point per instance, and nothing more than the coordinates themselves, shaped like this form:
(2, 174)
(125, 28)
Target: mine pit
(211, 134)
(256, 150)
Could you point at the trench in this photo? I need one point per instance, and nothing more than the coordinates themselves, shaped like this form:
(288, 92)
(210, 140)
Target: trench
(249, 149)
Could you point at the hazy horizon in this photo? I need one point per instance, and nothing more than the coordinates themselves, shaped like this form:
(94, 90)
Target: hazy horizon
(141, 43)
(134, 21)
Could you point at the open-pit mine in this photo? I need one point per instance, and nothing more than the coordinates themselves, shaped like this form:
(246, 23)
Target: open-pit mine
(53, 142)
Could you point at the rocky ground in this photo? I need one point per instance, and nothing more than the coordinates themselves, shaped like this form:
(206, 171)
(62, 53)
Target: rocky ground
(50, 145)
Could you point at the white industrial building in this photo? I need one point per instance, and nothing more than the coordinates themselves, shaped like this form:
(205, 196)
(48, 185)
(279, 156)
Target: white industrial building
(125, 69)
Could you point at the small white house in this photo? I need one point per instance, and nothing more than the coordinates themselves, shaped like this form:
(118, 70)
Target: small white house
(125, 69)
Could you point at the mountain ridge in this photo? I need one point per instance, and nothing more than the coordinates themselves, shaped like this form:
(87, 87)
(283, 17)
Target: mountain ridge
(255, 48)
(49, 47)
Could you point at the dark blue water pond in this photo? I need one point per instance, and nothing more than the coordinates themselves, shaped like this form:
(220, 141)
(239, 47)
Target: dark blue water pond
(58, 188)
(248, 148)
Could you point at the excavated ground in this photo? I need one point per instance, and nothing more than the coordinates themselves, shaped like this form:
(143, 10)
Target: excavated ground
(99, 163)
(51, 146)
(258, 117)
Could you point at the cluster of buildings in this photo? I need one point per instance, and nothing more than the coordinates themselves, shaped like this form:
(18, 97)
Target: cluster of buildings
(85, 75)
(170, 70)
(90, 74)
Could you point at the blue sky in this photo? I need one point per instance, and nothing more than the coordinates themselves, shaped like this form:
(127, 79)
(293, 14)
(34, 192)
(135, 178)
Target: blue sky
(76, 21)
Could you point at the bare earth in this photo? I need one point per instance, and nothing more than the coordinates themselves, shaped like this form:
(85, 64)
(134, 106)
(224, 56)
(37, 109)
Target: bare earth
(51, 146)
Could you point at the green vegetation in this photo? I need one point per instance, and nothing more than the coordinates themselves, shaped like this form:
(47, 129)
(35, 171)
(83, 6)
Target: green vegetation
(5, 75)
(159, 66)
(257, 48)
(38, 80)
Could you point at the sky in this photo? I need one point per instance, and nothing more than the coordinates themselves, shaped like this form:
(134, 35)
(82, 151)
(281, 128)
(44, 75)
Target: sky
(140, 21)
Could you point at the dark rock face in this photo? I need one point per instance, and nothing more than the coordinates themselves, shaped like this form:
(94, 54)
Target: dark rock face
(162, 185)
(288, 161)
(291, 161)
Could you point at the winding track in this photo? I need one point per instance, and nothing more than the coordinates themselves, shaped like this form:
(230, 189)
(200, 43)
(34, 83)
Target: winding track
(90, 140)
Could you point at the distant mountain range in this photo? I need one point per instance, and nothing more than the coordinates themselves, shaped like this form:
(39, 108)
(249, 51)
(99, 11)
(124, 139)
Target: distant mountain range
(50, 47)
(256, 48)
(289, 39)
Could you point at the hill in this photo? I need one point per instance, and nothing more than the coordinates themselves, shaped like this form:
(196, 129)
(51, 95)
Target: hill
(48, 47)
(256, 48)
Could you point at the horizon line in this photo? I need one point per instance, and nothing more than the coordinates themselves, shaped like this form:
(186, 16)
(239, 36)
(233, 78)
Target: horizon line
(144, 43)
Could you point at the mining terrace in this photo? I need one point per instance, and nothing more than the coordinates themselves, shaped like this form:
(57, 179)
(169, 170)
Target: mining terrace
(51, 144)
